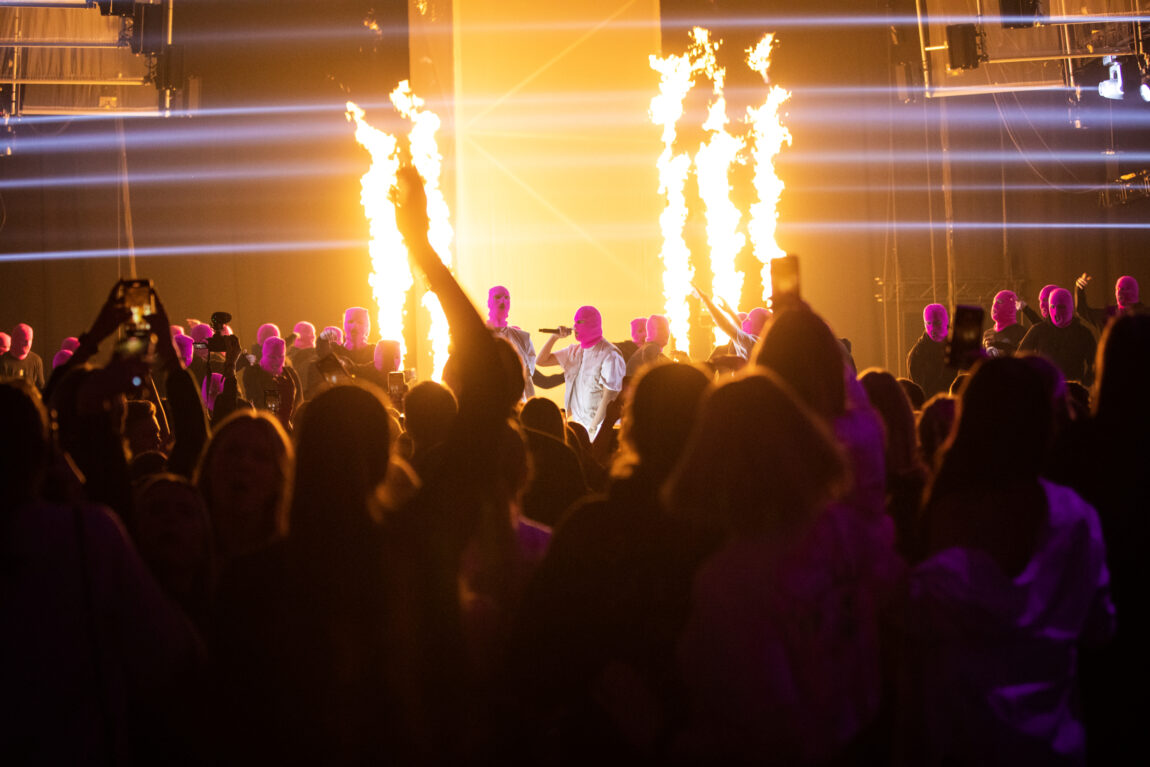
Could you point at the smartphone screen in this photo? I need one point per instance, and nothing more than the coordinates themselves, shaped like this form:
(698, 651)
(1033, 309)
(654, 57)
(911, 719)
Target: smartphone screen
(785, 276)
(965, 341)
(138, 299)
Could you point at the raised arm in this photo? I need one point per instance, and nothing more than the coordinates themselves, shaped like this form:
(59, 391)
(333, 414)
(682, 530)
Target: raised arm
(721, 319)
(546, 356)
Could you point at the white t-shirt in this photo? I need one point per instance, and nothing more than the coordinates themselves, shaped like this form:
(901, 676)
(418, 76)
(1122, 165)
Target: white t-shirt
(587, 372)
(521, 340)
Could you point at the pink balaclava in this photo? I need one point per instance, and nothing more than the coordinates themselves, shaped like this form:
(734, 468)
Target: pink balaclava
(1004, 310)
(177, 330)
(935, 320)
(266, 331)
(71, 344)
(639, 330)
(658, 330)
(386, 357)
(5, 342)
(756, 319)
(1061, 307)
(1044, 300)
(184, 348)
(201, 333)
(1126, 291)
(588, 326)
(332, 335)
(498, 306)
(212, 386)
(61, 357)
(356, 327)
(272, 359)
(21, 341)
(304, 335)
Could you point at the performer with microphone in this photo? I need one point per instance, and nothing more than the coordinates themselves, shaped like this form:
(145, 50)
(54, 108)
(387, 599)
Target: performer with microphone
(593, 368)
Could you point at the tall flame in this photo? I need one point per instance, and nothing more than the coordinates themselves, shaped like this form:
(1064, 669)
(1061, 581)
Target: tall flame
(675, 81)
(427, 160)
(712, 170)
(767, 138)
(390, 278)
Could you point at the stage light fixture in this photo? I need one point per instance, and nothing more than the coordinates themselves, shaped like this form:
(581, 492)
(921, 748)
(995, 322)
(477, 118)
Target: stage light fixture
(1112, 88)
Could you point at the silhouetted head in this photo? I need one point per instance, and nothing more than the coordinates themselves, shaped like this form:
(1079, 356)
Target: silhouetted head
(430, 409)
(23, 442)
(755, 320)
(935, 321)
(659, 417)
(21, 341)
(304, 335)
(914, 393)
(1004, 310)
(588, 326)
(658, 330)
(171, 527)
(934, 425)
(342, 451)
(1120, 401)
(356, 327)
(541, 414)
(800, 348)
(759, 461)
(889, 399)
(266, 331)
(141, 428)
(498, 306)
(243, 477)
(1126, 291)
(639, 330)
(1061, 307)
(273, 355)
(1044, 300)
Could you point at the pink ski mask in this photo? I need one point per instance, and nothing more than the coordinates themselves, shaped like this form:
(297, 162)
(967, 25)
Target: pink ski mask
(266, 331)
(5, 342)
(356, 327)
(332, 335)
(498, 306)
(61, 357)
(71, 344)
(211, 388)
(304, 335)
(1004, 310)
(201, 333)
(658, 330)
(1044, 300)
(184, 348)
(21, 341)
(1126, 291)
(386, 357)
(935, 320)
(755, 321)
(272, 359)
(639, 333)
(588, 326)
(1061, 307)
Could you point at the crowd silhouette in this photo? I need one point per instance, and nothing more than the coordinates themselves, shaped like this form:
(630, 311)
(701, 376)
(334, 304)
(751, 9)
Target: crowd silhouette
(292, 554)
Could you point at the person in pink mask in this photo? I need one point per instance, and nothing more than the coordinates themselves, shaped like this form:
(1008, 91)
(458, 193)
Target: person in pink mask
(927, 359)
(356, 330)
(1003, 339)
(498, 309)
(20, 361)
(302, 352)
(651, 353)
(638, 337)
(5, 343)
(593, 369)
(272, 385)
(1064, 340)
(1125, 293)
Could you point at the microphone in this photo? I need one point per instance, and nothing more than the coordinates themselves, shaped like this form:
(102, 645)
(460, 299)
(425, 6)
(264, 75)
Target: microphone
(551, 331)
